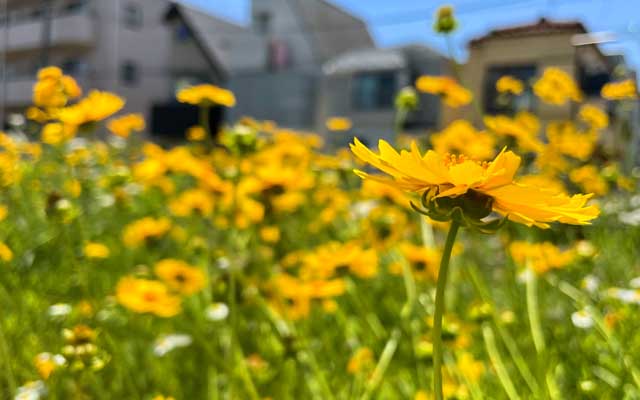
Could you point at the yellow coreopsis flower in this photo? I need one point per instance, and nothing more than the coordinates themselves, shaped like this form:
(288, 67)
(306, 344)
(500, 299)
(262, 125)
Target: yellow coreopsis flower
(196, 133)
(193, 200)
(53, 89)
(207, 95)
(361, 360)
(622, 90)
(147, 296)
(540, 257)
(270, 234)
(180, 276)
(509, 84)
(556, 87)
(475, 187)
(125, 125)
(143, 229)
(338, 124)
(460, 136)
(96, 107)
(453, 94)
(594, 116)
(6, 254)
(55, 133)
(589, 178)
(96, 250)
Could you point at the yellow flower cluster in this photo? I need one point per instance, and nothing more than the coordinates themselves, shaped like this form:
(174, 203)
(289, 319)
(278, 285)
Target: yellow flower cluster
(557, 87)
(540, 257)
(509, 84)
(207, 95)
(125, 125)
(622, 90)
(453, 94)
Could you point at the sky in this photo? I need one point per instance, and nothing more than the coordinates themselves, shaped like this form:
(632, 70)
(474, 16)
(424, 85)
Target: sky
(401, 22)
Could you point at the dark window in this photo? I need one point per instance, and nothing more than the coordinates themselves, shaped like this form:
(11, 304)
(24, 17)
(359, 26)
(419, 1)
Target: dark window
(182, 32)
(75, 5)
(592, 81)
(497, 103)
(263, 21)
(129, 74)
(74, 66)
(374, 90)
(132, 16)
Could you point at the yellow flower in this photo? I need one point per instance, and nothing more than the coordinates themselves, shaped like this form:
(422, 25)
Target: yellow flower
(96, 250)
(4, 211)
(6, 254)
(470, 367)
(207, 95)
(556, 87)
(509, 84)
(196, 133)
(540, 257)
(55, 133)
(47, 363)
(462, 180)
(360, 361)
(594, 116)
(190, 201)
(137, 232)
(622, 90)
(53, 89)
(338, 124)
(180, 276)
(96, 107)
(589, 178)
(161, 397)
(451, 92)
(565, 138)
(523, 127)
(445, 21)
(147, 296)
(270, 234)
(125, 125)
(423, 261)
(461, 136)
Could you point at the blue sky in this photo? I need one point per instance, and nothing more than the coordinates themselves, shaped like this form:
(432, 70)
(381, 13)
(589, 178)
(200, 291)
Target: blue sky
(409, 21)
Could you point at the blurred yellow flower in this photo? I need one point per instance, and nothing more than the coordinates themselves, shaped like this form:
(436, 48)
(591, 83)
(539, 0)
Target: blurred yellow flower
(270, 234)
(461, 179)
(138, 232)
(96, 250)
(361, 361)
(54, 89)
(125, 125)
(206, 95)
(451, 92)
(6, 254)
(192, 201)
(541, 257)
(588, 178)
(96, 107)
(4, 211)
(47, 363)
(55, 133)
(523, 127)
(338, 124)
(180, 276)
(594, 116)
(622, 90)
(460, 136)
(196, 133)
(147, 296)
(565, 138)
(509, 84)
(557, 87)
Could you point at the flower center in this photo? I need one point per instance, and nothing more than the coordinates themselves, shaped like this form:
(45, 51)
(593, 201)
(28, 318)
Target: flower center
(454, 159)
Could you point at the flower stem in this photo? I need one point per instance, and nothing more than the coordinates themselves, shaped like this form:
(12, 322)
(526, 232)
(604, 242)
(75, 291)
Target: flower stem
(534, 311)
(437, 318)
(206, 124)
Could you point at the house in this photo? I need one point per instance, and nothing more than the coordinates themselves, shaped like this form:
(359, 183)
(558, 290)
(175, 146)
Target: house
(144, 50)
(362, 84)
(524, 51)
(277, 69)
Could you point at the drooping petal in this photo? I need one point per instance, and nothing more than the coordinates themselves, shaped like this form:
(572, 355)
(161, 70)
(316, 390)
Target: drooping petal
(535, 206)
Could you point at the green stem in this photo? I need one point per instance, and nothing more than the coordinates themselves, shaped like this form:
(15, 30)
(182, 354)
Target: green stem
(206, 124)
(498, 365)
(4, 351)
(533, 310)
(437, 318)
(383, 363)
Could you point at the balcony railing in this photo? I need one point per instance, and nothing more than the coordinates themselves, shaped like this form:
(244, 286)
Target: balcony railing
(68, 29)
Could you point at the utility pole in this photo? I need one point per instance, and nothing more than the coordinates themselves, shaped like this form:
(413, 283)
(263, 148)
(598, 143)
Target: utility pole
(47, 16)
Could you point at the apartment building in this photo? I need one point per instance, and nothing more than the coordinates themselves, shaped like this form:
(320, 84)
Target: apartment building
(143, 50)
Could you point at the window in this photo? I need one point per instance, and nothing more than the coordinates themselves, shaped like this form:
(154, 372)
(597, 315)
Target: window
(263, 22)
(374, 90)
(182, 32)
(497, 103)
(129, 74)
(74, 67)
(75, 6)
(132, 16)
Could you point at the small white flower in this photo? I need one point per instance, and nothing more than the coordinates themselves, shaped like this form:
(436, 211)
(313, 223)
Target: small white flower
(582, 319)
(624, 295)
(635, 282)
(630, 218)
(223, 263)
(217, 312)
(362, 209)
(58, 359)
(525, 275)
(105, 200)
(59, 310)
(585, 248)
(166, 343)
(591, 283)
(31, 391)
